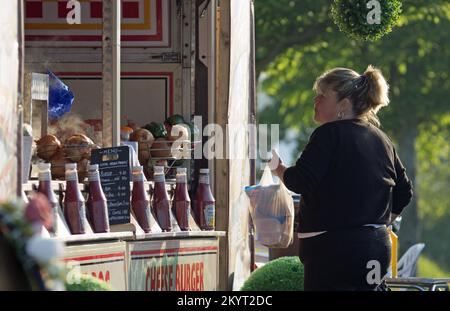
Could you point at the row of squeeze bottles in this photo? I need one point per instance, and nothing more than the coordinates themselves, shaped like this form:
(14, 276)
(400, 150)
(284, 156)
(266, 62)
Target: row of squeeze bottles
(95, 209)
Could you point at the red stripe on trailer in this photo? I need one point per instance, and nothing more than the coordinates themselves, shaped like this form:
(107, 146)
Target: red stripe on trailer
(62, 38)
(102, 256)
(174, 250)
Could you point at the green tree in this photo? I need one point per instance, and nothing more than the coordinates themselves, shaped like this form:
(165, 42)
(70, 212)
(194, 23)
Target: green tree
(297, 41)
(433, 182)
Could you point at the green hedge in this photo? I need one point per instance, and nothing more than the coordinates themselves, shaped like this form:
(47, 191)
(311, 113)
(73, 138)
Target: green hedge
(282, 274)
(89, 283)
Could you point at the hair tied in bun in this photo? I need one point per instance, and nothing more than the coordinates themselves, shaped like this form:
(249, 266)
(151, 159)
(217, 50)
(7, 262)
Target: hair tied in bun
(361, 81)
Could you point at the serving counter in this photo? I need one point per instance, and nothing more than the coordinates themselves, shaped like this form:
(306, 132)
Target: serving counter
(167, 261)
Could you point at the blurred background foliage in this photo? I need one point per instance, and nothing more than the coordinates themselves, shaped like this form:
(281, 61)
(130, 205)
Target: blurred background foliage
(296, 41)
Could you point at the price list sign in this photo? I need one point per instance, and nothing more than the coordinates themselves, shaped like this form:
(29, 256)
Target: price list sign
(114, 167)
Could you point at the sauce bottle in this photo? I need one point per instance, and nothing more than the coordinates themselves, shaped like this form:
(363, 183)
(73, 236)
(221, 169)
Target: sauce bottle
(74, 207)
(204, 203)
(140, 201)
(45, 187)
(181, 204)
(161, 203)
(97, 205)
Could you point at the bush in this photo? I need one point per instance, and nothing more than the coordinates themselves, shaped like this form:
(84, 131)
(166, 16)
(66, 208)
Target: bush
(351, 18)
(426, 268)
(89, 283)
(285, 273)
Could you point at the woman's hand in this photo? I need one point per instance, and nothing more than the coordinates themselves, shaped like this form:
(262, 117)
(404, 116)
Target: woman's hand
(276, 165)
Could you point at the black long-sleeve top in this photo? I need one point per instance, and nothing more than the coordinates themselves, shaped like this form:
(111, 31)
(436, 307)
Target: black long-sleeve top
(346, 175)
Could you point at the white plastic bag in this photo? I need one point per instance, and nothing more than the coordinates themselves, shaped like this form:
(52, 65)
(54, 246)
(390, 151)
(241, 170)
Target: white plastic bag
(272, 212)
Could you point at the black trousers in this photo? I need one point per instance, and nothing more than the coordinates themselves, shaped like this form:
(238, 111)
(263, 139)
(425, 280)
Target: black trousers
(345, 260)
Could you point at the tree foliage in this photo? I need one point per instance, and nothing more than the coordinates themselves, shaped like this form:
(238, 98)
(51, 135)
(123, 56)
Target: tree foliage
(433, 182)
(414, 58)
(297, 41)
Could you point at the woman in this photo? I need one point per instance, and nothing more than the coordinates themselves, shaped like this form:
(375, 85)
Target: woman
(352, 183)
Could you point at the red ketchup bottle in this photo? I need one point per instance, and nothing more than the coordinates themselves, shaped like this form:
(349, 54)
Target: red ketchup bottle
(45, 187)
(161, 203)
(97, 205)
(140, 201)
(74, 208)
(181, 204)
(204, 203)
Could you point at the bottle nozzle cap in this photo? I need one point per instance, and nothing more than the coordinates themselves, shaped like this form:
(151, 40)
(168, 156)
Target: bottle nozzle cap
(138, 168)
(71, 166)
(204, 171)
(158, 169)
(44, 166)
(181, 170)
(93, 167)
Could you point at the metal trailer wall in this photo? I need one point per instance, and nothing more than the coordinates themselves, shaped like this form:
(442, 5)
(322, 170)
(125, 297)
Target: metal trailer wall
(9, 81)
(239, 138)
(235, 95)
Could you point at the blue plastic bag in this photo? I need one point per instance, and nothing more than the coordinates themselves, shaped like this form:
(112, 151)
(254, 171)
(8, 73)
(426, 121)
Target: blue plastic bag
(60, 97)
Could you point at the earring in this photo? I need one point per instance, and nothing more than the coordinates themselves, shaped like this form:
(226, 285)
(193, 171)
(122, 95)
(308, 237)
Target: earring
(340, 115)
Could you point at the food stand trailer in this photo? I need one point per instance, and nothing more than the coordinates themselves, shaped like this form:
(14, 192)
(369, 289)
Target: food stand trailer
(147, 60)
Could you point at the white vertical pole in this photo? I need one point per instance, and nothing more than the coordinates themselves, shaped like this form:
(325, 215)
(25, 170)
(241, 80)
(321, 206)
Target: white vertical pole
(111, 72)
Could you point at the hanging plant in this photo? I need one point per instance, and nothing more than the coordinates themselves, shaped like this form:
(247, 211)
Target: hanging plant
(367, 20)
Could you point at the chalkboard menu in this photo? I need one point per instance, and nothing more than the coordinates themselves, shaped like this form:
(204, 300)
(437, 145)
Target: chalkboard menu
(114, 168)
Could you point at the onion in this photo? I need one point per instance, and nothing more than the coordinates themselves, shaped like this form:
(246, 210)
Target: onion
(143, 155)
(142, 136)
(145, 140)
(160, 148)
(47, 146)
(79, 139)
(58, 162)
(78, 147)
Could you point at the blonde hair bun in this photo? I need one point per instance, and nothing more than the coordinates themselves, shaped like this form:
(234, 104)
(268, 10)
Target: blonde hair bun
(378, 88)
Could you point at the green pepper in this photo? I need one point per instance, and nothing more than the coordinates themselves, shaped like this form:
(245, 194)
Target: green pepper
(157, 129)
(175, 119)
